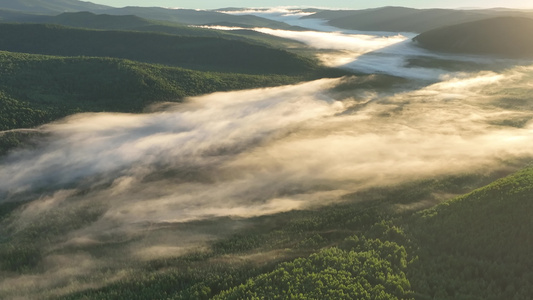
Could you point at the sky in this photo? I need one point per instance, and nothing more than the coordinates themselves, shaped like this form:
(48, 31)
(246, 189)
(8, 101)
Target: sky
(358, 4)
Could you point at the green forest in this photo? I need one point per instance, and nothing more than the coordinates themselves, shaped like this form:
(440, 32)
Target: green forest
(494, 36)
(37, 89)
(96, 70)
(192, 52)
(475, 246)
(463, 235)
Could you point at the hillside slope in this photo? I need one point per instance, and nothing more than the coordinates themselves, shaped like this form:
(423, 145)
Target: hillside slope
(50, 6)
(90, 20)
(403, 19)
(183, 16)
(504, 36)
(477, 246)
(197, 17)
(201, 53)
(37, 89)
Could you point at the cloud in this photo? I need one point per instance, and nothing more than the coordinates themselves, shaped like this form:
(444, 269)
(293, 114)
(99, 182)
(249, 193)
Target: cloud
(268, 150)
(280, 12)
(375, 52)
(358, 43)
(187, 135)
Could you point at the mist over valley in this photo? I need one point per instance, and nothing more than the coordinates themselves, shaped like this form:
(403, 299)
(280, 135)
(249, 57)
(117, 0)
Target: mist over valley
(263, 153)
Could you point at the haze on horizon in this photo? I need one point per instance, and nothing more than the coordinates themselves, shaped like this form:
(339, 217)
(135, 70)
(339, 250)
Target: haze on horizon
(361, 4)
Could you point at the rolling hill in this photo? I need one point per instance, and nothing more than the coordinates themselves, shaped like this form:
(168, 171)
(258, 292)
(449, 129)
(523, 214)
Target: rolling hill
(197, 17)
(503, 36)
(182, 16)
(90, 20)
(403, 19)
(384, 242)
(50, 6)
(201, 53)
(476, 246)
(37, 89)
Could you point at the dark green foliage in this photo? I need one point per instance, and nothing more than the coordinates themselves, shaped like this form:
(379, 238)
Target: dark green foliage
(197, 17)
(477, 246)
(15, 114)
(50, 6)
(372, 270)
(474, 247)
(505, 36)
(403, 19)
(22, 245)
(201, 53)
(18, 139)
(112, 22)
(135, 23)
(304, 231)
(193, 281)
(36, 89)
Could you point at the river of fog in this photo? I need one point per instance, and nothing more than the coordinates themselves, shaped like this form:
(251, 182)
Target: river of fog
(263, 151)
(361, 51)
(267, 150)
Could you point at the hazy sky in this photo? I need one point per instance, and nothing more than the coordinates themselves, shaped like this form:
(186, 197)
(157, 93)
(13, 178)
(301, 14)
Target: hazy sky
(320, 3)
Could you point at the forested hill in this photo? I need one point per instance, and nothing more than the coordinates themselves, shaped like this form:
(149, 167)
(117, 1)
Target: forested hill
(50, 6)
(33, 11)
(472, 247)
(504, 36)
(37, 89)
(406, 19)
(88, 20)
(197, 17)
(200, 53)
(477, 246)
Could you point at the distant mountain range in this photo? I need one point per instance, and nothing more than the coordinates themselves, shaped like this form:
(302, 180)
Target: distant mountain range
(50, 6)
(504, 36)
(394, 19)
(403, 19)
(109, 22)
(18, 10)
(193, 52)
(198, 17)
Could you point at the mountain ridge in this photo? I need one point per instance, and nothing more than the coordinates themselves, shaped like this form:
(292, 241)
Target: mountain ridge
(404, 19)
(501, 36)
(51, 6)
(199, 53)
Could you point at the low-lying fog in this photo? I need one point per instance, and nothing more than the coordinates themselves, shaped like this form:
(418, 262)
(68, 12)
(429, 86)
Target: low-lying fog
(257, 152)
(261, 151)
(362, 51)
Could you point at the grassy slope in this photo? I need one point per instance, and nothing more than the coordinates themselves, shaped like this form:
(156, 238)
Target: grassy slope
(202, 53)
(505, 36)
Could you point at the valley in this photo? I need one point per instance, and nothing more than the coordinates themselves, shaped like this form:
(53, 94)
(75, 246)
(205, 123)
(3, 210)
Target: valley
(269, 154)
